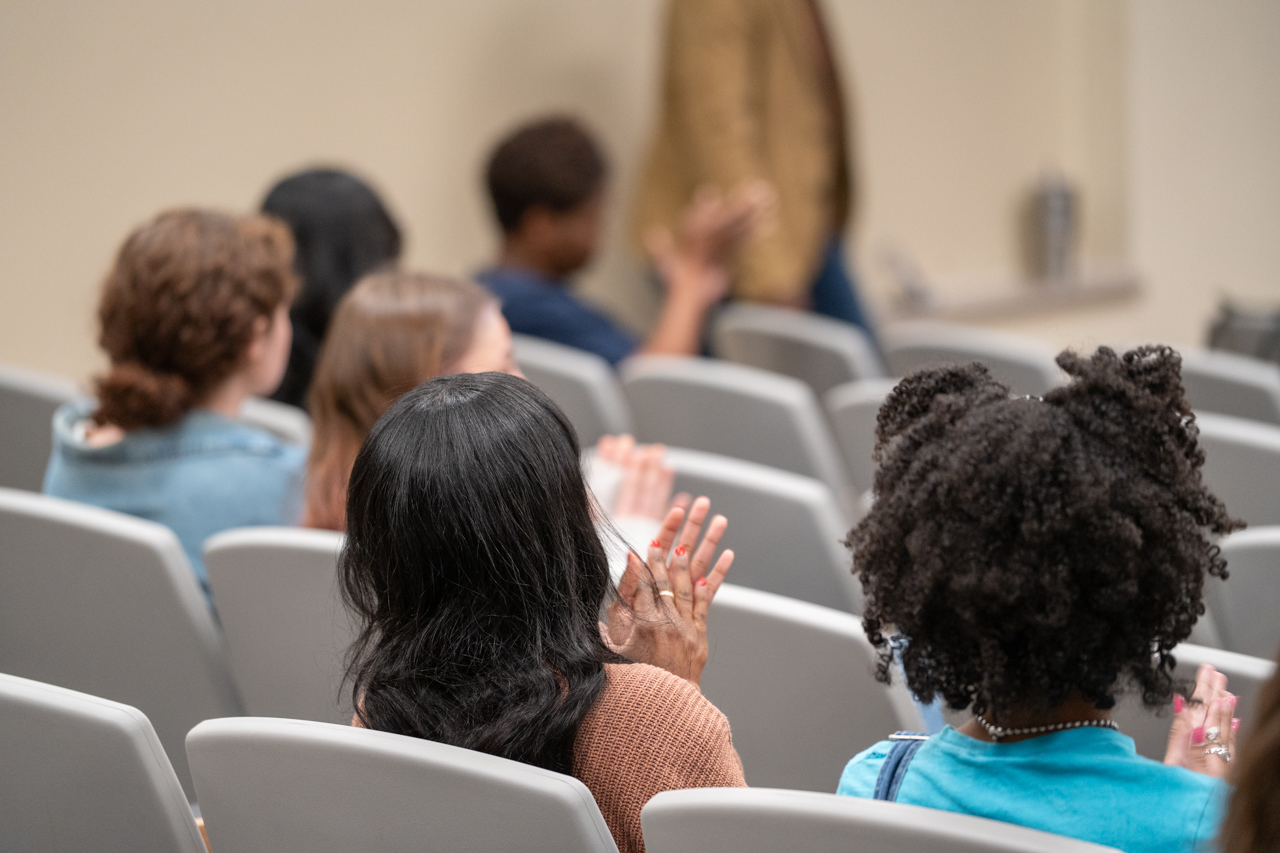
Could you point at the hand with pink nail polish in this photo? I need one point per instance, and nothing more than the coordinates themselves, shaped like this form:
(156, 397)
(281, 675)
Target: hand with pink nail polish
(1192, 734)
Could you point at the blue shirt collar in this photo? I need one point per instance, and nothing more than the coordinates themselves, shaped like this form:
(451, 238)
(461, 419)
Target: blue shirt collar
(198, 431)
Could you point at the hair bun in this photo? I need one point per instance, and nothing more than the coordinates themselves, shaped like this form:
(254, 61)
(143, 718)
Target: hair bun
(132, 396)
(1150, 375)
(936, 397)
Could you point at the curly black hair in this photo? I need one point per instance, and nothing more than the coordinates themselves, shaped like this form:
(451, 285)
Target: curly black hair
(1026, 551)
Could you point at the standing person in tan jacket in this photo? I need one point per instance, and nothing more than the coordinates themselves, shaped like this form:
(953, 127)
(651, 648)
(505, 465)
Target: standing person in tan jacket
(751, 91)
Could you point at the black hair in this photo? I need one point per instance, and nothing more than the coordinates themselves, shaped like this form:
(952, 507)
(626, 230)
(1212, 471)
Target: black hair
(342, 231)
(1029, 551)
(475, 572)
(551, 163)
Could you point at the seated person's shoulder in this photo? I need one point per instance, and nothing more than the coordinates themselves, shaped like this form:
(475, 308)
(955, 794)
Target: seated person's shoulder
(650, 689)
(859, 776)
(652, 712)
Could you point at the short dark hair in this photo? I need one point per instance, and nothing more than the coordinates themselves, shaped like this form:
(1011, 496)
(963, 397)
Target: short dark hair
(475, 572)
(1028, 551)
(552, 163)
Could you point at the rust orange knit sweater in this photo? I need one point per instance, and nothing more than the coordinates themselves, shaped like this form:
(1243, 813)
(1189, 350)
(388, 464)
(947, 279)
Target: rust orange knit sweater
(650, 731)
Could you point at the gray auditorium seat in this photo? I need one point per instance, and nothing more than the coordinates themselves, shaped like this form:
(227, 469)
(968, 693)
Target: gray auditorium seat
(27, 403)
(852, 409)
(785, 530)
(797, 683)
(107, 604)
(1025, 365)
(767, 820)
(734, 410)
(285, 422)
(1242, 466)
(82, 773)
(1231, 384)
(581, 383)
(293, 786)
(1245, 677)
(1245, 606)
(818, 350)
(283, 618)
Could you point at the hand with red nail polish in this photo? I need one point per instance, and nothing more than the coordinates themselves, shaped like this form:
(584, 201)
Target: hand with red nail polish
(660, 614)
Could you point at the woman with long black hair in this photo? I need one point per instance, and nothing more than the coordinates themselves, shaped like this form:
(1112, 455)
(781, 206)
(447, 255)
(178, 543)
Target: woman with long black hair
(475, 569)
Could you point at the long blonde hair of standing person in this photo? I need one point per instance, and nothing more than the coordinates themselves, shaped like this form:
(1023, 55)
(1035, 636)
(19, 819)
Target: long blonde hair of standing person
(392, 332)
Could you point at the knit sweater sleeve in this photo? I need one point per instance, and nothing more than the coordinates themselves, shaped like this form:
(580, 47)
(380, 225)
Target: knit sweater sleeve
(649, 732)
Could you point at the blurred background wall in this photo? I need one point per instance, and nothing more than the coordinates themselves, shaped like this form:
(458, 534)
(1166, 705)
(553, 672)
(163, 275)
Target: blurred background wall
(1165, 113)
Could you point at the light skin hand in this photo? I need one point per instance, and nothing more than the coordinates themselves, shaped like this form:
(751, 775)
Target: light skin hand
(647, 481)
(670, 631)
(646, 485)
(1210, 706)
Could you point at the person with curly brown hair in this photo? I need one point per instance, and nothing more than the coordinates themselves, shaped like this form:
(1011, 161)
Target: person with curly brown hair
(1030, 559)
(195, 319)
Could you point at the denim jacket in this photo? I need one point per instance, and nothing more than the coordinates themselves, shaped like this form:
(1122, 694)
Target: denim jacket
(200, 476)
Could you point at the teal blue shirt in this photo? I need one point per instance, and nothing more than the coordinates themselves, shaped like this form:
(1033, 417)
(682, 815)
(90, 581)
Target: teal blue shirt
(1085, 783)
(203, 475)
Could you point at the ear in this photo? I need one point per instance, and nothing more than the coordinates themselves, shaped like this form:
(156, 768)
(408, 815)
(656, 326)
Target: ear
(258, 339)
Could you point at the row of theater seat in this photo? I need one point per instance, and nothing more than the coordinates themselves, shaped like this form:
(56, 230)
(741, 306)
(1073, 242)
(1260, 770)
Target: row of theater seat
(770, 416)
(794, 509)
(105, 603)
(84, 773)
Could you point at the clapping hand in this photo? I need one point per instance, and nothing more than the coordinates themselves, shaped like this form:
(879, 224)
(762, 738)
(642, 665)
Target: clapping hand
(660, 614)
(1203, 735)
(694, 262)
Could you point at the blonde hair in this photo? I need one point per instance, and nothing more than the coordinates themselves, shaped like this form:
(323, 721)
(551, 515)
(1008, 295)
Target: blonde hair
(390, 333)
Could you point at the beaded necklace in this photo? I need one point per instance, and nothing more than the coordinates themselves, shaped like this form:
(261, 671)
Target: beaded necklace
(998, 732)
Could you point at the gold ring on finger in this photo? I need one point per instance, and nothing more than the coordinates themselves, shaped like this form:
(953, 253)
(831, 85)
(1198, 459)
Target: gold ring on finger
(668, 593)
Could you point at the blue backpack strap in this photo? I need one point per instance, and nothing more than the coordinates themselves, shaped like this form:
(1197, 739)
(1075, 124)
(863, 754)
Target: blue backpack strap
(905, 745)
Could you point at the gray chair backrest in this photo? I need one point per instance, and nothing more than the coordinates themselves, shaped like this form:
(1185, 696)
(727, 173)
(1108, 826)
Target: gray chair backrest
(287, 423)
(1025, 365)
(82, 773)
(581, 383)
(1242, 466)
(1150, 728)
(286, 628)
(852, 409)
(107, 604)
(796, 682)
(27, 403)
(720, 407)
(818, 350)
(766, 820)
(1245, 606)
(289, 786)
(1231, 384)
(785, 530)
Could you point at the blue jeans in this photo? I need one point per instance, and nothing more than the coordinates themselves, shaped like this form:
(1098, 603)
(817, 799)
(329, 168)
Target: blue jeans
(835, 294)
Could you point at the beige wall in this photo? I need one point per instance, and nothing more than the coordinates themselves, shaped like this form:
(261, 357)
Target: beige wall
(113, 111)
(1203, 183)
(1164, 111)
